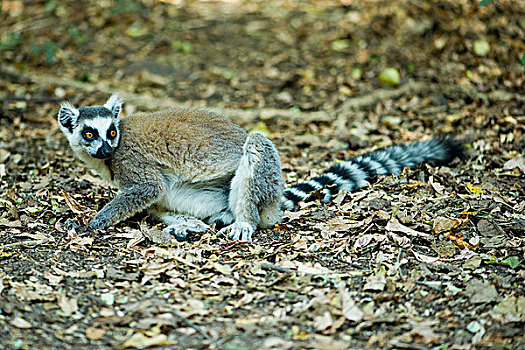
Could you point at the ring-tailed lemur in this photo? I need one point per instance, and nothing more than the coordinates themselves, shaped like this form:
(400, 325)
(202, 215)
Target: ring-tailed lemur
(189, 166)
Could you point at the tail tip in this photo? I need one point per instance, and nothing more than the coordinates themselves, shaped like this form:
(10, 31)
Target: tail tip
(454, 146)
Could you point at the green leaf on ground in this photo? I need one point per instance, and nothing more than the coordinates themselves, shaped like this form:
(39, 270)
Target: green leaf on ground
(511, 261)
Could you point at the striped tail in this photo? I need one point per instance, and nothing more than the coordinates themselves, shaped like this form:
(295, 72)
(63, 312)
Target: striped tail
(353, 174)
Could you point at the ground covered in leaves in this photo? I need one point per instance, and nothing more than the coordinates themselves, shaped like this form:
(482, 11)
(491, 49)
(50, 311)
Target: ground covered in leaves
(430, 259)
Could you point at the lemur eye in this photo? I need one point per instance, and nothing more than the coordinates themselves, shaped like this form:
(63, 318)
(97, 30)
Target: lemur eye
(88, 135)
(112, 133)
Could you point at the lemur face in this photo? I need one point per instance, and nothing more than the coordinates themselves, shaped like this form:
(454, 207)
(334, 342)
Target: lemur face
(92, 130)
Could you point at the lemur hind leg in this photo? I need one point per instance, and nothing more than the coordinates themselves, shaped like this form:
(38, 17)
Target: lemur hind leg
(256, 189)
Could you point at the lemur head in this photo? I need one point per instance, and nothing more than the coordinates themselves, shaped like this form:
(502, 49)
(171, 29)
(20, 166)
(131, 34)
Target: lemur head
(93, 130)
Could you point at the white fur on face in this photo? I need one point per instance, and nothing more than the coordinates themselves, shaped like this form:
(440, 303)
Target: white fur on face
(102, 125)
(85, 150)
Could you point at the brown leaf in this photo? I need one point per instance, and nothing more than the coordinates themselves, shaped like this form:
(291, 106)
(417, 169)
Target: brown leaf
(159, 237)
(423, 332)
(327, 343)
(93, 333)
(53, 279)
(76, 207)
(383, 214)
(425, 258)
(141, 341)
(481, 292)
(442, 224)
(440, 189)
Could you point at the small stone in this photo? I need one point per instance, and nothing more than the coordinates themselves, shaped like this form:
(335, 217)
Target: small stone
(356, 73)
(481, 48)
(60, 92)
(340, 45)
(474, 327)
(389, 77)
(284, 97)
(472, 263)
(107, 298)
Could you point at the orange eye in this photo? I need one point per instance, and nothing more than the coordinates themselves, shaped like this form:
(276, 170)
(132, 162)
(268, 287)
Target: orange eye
(113, 133)
(88, 135)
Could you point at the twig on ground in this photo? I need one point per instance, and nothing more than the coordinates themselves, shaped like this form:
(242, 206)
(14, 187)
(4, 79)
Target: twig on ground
(277, 268)
(192, 325)
(25, 243)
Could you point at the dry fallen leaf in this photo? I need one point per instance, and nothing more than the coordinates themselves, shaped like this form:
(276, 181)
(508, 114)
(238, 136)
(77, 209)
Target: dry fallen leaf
(327, 343)
(323, 321)
(402, 241)
(93, 333)
(515, 163)
(424, 332)
(76, 207)
(159, 237)
(395, 226)
(425, 258)
(321, 109)
(350, 310)
(316, 269)
(439, 188)
(19, 322)
(375, 283)
(448, 227)
(277, 343)
(68, 305)
(53, 279)
(481, 291)
(362, 241)
(442, 224)
(141, 341)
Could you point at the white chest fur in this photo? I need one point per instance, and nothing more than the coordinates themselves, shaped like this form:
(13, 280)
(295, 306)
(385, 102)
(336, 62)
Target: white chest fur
(96, 164)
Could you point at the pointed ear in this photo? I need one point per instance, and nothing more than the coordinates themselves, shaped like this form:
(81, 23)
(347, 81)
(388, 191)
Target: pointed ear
(114, 104)
(68, 115)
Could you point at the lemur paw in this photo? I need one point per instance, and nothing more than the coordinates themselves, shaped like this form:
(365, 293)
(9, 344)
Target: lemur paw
(181, 230)
(222, 220)
(238, 231)
(96, 224)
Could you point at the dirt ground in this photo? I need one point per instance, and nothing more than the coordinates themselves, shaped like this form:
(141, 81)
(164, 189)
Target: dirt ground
(430, 259)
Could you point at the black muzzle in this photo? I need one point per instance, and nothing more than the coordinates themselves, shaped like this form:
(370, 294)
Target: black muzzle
(105, 151)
